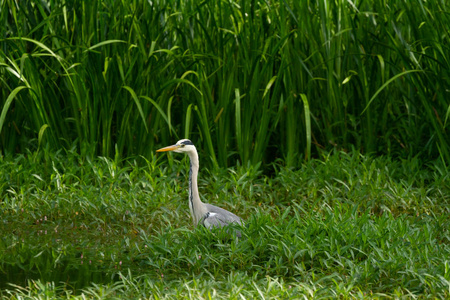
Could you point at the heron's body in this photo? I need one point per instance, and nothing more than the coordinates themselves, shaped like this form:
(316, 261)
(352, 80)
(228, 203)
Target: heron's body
(204, 214)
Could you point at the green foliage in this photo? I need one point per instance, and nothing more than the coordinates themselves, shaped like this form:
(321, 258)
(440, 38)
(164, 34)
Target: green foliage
(248, 81)
(346, 225)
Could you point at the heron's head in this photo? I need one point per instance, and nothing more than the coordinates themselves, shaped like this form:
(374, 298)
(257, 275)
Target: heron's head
(182, 146)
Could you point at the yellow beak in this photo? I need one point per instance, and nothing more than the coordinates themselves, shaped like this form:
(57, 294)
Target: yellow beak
(168, 148)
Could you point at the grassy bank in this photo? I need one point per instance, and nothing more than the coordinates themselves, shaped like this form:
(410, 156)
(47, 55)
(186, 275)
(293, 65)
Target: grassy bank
(345, 225)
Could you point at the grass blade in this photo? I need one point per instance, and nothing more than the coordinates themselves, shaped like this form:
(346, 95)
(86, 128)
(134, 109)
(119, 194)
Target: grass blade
(7, 104)
(386, 84)
(138, 104)
(307, 125)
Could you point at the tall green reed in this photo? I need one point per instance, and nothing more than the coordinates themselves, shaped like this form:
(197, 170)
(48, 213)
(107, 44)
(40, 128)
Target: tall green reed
(114, 77)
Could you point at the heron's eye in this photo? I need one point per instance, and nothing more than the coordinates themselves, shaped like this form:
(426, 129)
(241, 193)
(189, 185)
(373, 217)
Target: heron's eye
(182, 145)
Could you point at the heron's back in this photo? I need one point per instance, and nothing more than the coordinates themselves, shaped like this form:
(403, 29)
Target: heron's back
(219, 217)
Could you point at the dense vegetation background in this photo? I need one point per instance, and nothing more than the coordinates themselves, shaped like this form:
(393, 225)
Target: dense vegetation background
(245, 80)
(323, 124)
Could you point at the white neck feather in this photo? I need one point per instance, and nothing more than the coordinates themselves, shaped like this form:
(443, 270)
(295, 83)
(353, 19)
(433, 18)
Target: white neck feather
(196, 206)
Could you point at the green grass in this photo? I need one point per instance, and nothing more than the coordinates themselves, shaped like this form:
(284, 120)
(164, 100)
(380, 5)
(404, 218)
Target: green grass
(346, 225)
(284, 92)
(249, 81)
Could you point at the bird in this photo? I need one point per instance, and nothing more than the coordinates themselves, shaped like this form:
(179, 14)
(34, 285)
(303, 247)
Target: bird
(208, 215)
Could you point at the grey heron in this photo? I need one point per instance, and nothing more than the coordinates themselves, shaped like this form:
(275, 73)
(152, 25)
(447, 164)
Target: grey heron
(204, 214)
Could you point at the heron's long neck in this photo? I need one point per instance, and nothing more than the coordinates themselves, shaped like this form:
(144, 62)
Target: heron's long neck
(195, 204)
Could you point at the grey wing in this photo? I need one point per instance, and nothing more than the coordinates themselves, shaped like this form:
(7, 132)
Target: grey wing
(211, 220)
(219, 217)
